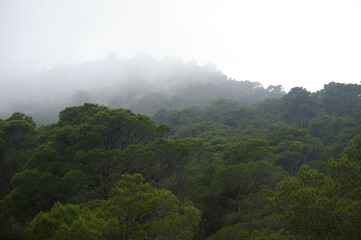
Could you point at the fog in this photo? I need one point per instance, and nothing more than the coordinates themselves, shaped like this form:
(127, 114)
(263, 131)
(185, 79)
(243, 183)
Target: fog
(54, 49)
(142, 83)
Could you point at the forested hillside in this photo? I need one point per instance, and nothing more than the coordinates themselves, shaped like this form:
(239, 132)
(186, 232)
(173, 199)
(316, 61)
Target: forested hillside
(142, 84)
(287, 167)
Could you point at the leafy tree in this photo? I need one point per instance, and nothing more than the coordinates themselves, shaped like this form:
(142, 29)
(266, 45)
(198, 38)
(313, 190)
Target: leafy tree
(229, 171)
(15, 135)
(237, 232)
(353, 150)
(162, 161)
(326, 127)
(76, 185)
(46, 158)
(77, 115)
(248, 151)
(115, 129)
(340, 99)
(267, 234)
(315, 205)
(23, 117)
(177, 118)
(135, 210)
(233, 232)
(300, 107)
(291, 155)
(18, 128)
(34, 191)
(307, 205)
(234, 181)
(102, 169)
(232, 186)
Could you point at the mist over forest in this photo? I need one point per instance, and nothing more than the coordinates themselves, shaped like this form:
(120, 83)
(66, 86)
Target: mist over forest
(258, 138)
(164, 149)
(142, 83)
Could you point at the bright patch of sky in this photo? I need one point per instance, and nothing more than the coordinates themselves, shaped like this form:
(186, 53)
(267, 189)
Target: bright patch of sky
(293, 43)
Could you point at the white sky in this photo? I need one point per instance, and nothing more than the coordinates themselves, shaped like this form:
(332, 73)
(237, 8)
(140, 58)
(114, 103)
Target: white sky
(294, 43)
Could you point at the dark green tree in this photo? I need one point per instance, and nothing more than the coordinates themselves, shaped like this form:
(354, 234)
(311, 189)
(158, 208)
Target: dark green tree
(34, 191)
(299, 107)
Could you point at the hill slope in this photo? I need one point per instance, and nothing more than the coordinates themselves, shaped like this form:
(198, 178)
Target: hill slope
(142, 84)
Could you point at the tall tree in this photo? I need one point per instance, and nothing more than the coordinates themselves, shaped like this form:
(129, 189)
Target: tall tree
(300, 106)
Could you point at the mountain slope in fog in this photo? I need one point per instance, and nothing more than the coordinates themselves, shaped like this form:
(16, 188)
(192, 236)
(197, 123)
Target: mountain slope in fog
(142, 84)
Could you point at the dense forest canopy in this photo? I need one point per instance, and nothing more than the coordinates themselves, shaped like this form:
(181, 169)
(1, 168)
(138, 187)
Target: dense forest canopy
(214, 159)
(265, 145)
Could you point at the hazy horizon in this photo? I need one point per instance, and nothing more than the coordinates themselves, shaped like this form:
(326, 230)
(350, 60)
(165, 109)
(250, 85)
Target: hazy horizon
(291, 43)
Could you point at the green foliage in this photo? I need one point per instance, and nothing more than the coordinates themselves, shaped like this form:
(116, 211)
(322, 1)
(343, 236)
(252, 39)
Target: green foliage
(115, 129)
(227, 158)
(92, 126)
(75, 183)
(248, 151)
(307, 210)
(340, 99)
(46, 158)
(267, 234)
(327, 126)
(313, 205)
(135, 210)
(234, 232)
(237, 232)
(79, 114)
(292, 154)
(34, 191)
(234, 181)
(21, 117)
(353, 151)
(299, 106)
(18, 128)
(224, 193)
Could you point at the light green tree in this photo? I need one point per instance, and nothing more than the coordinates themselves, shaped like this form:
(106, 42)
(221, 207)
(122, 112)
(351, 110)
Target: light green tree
(135, 210)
